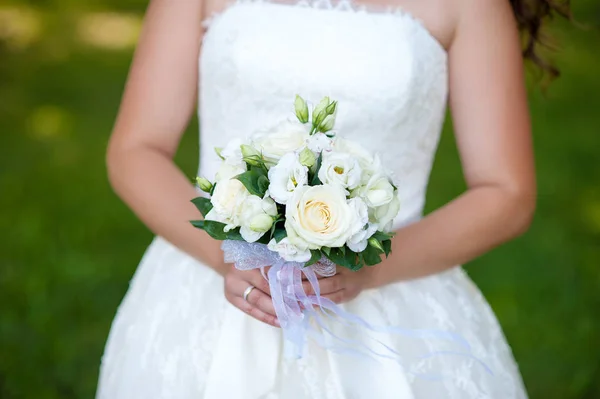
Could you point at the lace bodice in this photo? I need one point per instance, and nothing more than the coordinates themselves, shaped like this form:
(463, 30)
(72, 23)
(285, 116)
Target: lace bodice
(385, 69)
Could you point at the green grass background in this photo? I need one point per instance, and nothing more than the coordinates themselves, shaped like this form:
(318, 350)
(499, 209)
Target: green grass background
(69, 246)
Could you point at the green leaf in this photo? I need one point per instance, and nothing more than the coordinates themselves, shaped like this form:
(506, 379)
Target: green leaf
(199, 224)
(250, 180)
(276, 224)
(263, 184)
(214, 229)
(371, 256)
(315, 256)
(387, 247)
(203, 205)
(260, 170)
(344, 257)
(279, 234)
(381, 236)
(337, 257)
(351, 258)
(326, 250)
(212, 190)
(264, 239)
(235, 235)
(315, 180)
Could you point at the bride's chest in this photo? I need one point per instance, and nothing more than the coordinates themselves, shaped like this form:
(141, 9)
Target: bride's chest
(263, 45)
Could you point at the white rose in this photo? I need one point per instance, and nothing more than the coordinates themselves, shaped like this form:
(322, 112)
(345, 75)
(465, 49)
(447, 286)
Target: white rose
(289, 251)
(358, 240)
(227, 199)
(377, 192)
(285, 137)
(233, 163)
(340, 168)
(256, 217)
(319, 142)
(384, 215)
(320, 216)
(286, 176)
(228, 171)
(232, 153)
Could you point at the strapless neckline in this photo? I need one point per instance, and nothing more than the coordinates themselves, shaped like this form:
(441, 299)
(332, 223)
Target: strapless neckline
(343, 6)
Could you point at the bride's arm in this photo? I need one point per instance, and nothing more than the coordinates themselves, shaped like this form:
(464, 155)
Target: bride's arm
(491, 121)
(157, 104)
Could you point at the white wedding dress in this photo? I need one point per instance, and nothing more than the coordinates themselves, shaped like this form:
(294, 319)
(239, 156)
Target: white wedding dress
(175, 336)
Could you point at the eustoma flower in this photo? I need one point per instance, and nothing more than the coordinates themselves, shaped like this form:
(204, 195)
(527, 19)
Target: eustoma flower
(319, 142)
(282, 139)
(368, 163)
(358, 241)
(340, 168)
(289, 251)
(286, 177)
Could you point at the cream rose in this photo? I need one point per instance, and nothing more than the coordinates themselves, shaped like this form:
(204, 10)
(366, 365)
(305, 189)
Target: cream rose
(283, 138)
(320, 216)
(227, 199)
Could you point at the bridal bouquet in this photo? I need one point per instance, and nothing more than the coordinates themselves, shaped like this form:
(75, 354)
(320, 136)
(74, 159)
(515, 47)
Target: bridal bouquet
(302, 191)
(300, 199)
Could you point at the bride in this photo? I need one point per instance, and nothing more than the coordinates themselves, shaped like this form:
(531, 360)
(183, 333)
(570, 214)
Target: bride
(192, 326)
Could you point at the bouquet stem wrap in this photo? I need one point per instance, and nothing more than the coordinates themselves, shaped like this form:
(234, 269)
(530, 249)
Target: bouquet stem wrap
(295, 310)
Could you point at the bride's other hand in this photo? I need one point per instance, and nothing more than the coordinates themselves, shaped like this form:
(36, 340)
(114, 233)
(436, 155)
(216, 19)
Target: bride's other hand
(345, 285)
(258, 304)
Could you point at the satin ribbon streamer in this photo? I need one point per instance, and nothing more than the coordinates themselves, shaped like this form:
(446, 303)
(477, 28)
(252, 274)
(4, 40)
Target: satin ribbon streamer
(295, 310)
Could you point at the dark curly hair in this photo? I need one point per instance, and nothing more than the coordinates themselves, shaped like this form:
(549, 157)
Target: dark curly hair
(530, 16)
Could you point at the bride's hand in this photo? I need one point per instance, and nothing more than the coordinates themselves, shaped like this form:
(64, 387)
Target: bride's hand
(345, 285)
(258, 304)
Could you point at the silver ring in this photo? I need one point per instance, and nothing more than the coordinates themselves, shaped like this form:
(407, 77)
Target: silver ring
(247, 292)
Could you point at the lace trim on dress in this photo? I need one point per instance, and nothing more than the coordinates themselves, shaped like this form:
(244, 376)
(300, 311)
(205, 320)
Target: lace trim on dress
(336, 5)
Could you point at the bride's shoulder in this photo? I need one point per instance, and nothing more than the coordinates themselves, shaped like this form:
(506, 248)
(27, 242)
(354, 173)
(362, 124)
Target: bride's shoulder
(212, 7)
